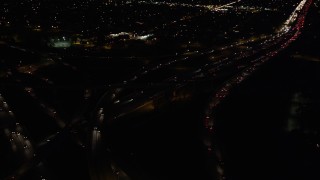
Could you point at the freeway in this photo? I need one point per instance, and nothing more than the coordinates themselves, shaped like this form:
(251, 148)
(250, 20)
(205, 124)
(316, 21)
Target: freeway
(196, 65)
(290, 33)
(21, 148)
(170, 77)
(169, 80)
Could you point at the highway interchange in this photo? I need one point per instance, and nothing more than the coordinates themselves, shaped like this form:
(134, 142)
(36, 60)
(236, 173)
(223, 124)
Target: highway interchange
(172, 79)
